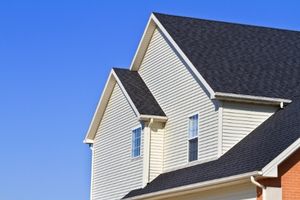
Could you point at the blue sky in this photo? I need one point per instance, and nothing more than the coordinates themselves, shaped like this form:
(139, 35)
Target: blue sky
(55, 57)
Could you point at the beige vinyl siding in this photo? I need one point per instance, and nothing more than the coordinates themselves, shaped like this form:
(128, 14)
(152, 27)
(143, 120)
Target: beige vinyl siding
(115, 172)
(240, 119)
(245, 191)
(156, 150)
(180, 95)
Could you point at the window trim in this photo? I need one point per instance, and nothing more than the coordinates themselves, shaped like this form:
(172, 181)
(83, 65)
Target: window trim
(190, 138)
(131, 143)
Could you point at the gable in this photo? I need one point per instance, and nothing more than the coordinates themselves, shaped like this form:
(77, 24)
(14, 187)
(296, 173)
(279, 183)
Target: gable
(220, 82)
(112, 150)
(137, 94)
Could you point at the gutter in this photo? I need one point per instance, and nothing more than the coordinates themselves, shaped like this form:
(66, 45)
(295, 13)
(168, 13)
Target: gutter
(192, 187)
(251, 99)
(143, 117)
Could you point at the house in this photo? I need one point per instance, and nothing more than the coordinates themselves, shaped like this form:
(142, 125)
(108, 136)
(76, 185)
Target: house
(207, 110)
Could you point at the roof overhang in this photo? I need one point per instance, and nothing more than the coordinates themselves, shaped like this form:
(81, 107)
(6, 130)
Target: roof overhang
(271, 170)
(154, 23)
(108, 89)
(197, 187)
(251, 99)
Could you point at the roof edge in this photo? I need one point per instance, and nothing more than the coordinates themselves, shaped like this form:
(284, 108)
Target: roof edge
(271, 170)
(101, 107)
(102, 104)
(98, 114)
(152, 24)
(143, 117)
(251, 98)
(192, 187)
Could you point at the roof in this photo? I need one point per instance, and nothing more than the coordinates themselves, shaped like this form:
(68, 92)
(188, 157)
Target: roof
(139, 93)
(252, 153)
(239, 59)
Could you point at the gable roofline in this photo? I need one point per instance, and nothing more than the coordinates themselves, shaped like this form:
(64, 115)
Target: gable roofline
(102, 104)
(154, 23)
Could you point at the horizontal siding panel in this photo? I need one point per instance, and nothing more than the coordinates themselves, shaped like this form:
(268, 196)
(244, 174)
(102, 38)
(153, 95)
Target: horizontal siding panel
(179, 95)
(156, 150)
(244, 191)
(241, 119)
(115, 173)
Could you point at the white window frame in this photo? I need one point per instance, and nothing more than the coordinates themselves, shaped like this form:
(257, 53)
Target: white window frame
(190, 138)
(131, 143)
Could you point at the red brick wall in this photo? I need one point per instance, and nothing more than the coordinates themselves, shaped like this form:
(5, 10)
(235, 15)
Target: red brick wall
(289, 178)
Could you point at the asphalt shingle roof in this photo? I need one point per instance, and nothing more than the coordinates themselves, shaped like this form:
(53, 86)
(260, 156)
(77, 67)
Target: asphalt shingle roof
(240, 59)
(139, 93)
(251, 154)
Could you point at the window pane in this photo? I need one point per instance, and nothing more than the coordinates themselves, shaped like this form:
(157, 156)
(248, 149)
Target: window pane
(193, 149)
(136, 143)
(193, 126)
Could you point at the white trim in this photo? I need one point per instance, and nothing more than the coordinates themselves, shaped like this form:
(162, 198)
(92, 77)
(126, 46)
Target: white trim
(185, 58)
(192, 187)
(143, 45)
(131, 149)
(153, 23)
(250, 98)
(92, 173)
(271, 170)
(88, 141)
(188, 138)
(97, 117)
(108, 89)
(154, 117)
(146, 152)
(220, 129)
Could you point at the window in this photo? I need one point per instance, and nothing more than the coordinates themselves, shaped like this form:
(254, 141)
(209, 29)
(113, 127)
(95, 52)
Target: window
(136, 143)
(193, 138)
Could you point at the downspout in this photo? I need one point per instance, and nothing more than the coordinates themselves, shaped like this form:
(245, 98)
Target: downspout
(147, 151)
(253, 180)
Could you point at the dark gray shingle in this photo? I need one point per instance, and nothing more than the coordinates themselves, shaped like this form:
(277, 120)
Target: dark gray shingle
(139, 92)
(237, 58)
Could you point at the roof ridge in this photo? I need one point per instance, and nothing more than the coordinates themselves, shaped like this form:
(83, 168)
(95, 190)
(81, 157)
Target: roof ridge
(226, 22)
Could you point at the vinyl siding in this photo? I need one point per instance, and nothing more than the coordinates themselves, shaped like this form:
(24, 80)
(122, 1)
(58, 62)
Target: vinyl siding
(240, 119)
(244, 191)
(156, 150)
(180, 95)
(115, 172)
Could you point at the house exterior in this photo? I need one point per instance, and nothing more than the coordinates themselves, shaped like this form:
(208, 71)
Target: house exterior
(207, 111)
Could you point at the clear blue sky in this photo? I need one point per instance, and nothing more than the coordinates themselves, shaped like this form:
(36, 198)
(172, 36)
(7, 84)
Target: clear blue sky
(54, 59)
